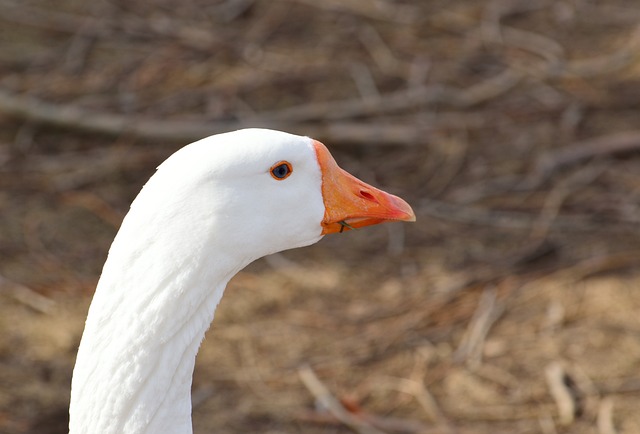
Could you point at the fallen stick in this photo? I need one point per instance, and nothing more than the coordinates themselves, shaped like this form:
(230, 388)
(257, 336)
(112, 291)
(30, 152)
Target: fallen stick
(561, 393)
(27, 296)
(617, 143)
(70, 116)
(180, 131)
(402, 100)
(605, 417)
(489, 310)
(328, 401)
(423, 396)
(391, 424)
(516, 220)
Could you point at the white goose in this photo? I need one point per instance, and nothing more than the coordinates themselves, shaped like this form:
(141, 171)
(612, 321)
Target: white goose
(211, 208)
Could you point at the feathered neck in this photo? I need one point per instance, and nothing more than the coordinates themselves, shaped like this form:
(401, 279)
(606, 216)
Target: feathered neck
(154, 302)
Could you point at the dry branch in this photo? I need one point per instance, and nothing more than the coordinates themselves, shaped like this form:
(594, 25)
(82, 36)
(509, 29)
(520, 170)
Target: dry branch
(402, 100)
(606, 63)
(514, 220)
(559, 194)
(561, 393)
(391, 424)
(99, 26)
(487, 313)
(605, 417)
(78, 118)
(71, 116)
(26, 296)
(378, 10)
(67, 171)
(290, 119)
(611, 144)
(418, 389)
(94, 204)
(50, 19)
(328, 401)
(552, 161)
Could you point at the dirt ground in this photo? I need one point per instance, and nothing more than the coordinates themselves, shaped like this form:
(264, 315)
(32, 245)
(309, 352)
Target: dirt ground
(512, 305)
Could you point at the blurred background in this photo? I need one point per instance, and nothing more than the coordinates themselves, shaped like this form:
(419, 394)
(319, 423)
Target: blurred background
(510, 306)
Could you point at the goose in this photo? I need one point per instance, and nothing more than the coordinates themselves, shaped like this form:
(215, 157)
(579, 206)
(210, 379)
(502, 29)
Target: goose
(209, 210)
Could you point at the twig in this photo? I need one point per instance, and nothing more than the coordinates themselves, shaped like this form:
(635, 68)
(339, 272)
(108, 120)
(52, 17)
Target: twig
(402, 100)
(75, 117)
(68, 171)
(547, 425)
(416, 385)
(380, 52)
(559, 193)
(96, 27)
(607, 63)
(488, 89)
(491, 28)
(495, 413)
(630, 385)
(80, 44)
(605, 417)
(328, 401)
(393, 102)
(94, 204)
(561, 393)
(611, 144)
(71, 116)
(455, 150)
(417, 389)
(391, 424)
(552, 161)
(51, 19)
(549, 49)
(543, 46)
(499, 9)
(290, 119)
(379, 10)
(487, 313)
(364, 81)
(515, 220)
(27, 296)
(339, 133)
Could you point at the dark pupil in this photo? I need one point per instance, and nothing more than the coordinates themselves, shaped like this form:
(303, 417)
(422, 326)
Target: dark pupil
(281, 171)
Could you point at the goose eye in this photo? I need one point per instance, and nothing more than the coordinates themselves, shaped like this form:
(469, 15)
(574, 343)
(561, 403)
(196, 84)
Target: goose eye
(281, 170)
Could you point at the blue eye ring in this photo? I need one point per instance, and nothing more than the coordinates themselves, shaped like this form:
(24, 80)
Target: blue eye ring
(281, 170)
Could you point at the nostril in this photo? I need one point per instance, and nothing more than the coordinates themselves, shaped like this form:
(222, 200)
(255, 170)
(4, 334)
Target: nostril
(366, 195)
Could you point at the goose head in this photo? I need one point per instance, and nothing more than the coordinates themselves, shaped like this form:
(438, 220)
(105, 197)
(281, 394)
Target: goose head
(263, 191)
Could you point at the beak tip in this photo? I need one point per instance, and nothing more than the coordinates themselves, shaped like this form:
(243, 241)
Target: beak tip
(404, 210)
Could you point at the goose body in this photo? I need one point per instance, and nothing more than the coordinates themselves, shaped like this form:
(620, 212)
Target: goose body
(209, 210)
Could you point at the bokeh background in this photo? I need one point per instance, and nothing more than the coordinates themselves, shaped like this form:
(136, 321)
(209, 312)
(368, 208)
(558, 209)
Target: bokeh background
(511, 306)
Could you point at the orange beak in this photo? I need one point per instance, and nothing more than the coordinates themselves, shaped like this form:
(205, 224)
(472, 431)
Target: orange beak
(350, 203)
